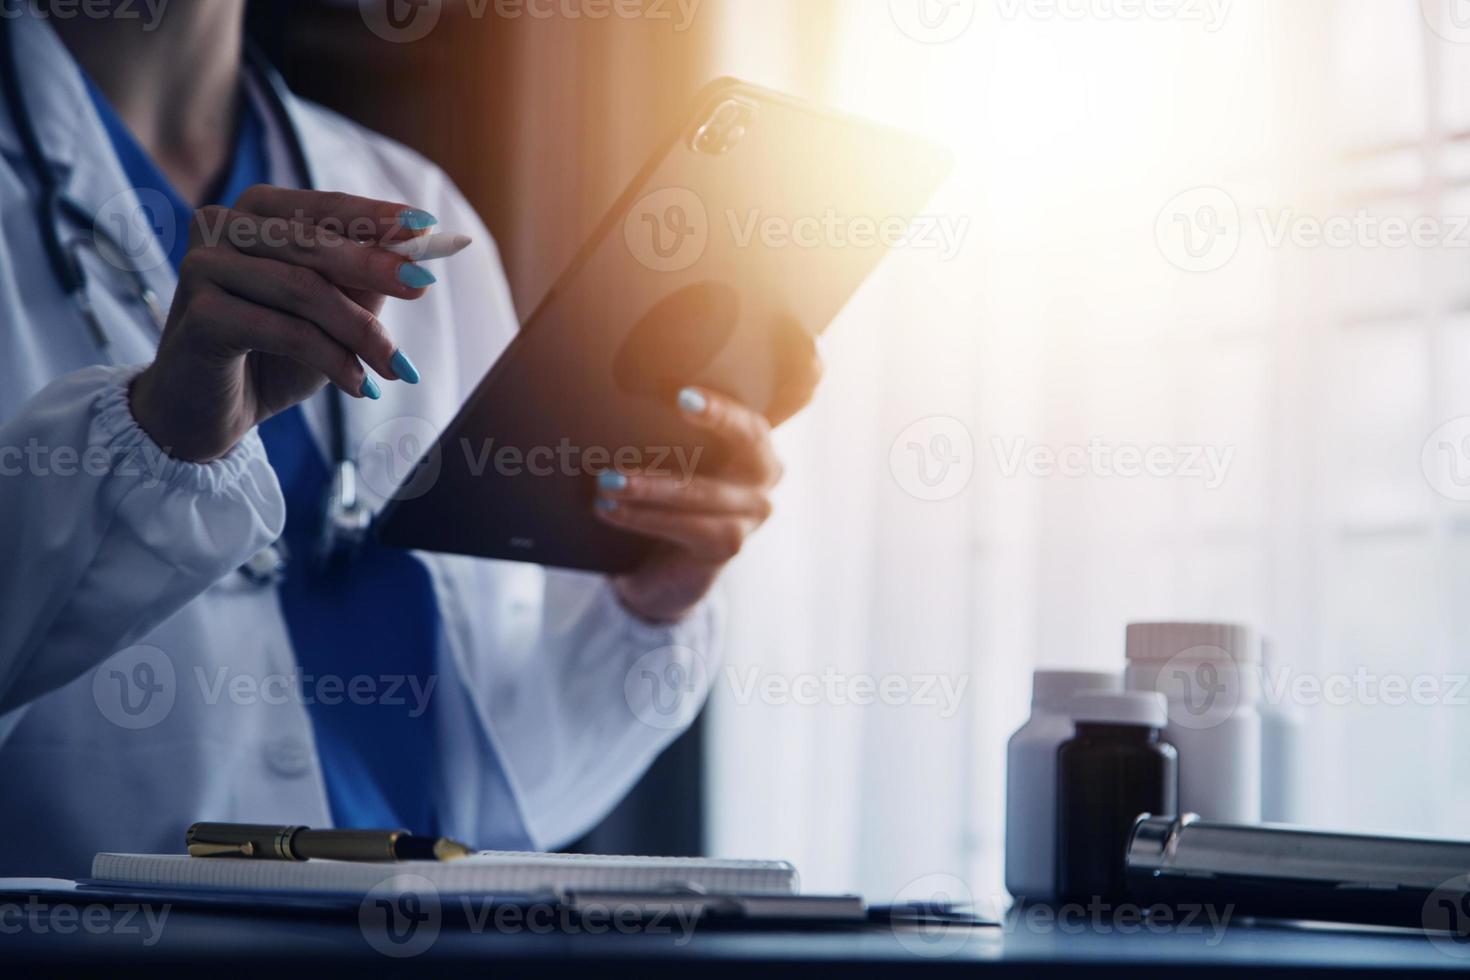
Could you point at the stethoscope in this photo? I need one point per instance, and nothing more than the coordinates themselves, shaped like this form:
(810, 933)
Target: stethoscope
(346, 519)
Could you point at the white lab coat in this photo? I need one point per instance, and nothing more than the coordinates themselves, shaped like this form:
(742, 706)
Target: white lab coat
(144, 684)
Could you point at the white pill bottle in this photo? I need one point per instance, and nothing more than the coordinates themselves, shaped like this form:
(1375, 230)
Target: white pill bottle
(1031, 779)
(1210, 673)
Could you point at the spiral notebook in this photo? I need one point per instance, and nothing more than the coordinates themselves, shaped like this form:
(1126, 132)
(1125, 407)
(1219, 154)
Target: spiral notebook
(486, 872)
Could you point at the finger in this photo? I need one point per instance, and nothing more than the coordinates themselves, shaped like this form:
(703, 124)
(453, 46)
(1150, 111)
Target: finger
(245, 326)
(321, 249)
(301, 293)
(703, 495)
(800, 373)
(706, 537)
(745, 432)
(359, 218)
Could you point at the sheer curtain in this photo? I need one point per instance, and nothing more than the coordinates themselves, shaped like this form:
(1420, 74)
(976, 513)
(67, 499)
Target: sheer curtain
(1169, 400)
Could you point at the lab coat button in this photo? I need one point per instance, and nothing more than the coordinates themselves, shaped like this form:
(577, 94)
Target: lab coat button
(288, 757)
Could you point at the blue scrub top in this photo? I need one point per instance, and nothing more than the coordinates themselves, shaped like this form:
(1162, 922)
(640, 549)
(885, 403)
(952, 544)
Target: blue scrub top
(372, 628)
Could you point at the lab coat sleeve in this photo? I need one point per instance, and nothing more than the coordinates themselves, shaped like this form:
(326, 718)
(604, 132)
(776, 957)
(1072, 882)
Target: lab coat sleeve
(578, 696)
(609, 693)
(105, 536)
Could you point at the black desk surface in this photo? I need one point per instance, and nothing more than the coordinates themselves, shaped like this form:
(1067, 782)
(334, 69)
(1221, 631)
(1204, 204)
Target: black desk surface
(44, 940)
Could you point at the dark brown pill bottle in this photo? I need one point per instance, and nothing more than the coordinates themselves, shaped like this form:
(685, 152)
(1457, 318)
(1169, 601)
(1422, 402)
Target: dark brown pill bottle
(1116, 767)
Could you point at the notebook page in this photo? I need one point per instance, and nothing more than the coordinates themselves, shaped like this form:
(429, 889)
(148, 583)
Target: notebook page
(486, 872)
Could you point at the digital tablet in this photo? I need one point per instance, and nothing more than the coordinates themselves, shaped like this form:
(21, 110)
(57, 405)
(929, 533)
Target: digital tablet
(740, 241)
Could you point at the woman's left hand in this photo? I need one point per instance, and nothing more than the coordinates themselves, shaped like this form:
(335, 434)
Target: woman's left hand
(701, 523)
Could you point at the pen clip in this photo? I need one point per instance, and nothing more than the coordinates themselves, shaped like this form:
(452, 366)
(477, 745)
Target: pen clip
(206, 849)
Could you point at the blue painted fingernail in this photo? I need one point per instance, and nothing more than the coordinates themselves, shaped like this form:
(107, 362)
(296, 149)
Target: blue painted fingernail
(371, 390)
(611, 482)
(604, 504)
(415, 276)
(692, 400)
(404, 368)
(416, 220)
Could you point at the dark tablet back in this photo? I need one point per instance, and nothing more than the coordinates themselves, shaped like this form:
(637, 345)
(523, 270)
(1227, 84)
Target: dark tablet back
(742, 239)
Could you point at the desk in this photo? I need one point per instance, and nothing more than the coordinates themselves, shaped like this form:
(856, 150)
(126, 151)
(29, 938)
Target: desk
(209, 943)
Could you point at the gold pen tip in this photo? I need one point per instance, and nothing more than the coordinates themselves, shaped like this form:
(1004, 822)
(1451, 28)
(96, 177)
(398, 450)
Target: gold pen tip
(450, 850)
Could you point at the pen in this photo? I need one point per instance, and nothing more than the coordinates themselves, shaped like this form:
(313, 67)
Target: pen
(427, 248)
(263, 842)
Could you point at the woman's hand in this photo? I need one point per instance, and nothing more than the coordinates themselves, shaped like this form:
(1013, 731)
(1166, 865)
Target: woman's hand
(277, 297)
(703, 523)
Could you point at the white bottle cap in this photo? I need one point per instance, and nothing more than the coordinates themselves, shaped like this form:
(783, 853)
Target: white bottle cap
(1142, 708)
(1053, 686)
(1159, 643)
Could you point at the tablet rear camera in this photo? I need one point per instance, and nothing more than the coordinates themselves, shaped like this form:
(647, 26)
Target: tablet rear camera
(724, 128)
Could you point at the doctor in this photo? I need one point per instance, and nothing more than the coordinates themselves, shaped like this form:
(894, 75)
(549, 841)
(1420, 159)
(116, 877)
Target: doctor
(167, 421)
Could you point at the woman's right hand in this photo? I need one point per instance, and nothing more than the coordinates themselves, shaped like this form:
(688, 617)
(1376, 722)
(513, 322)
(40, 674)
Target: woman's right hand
(277, 297)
